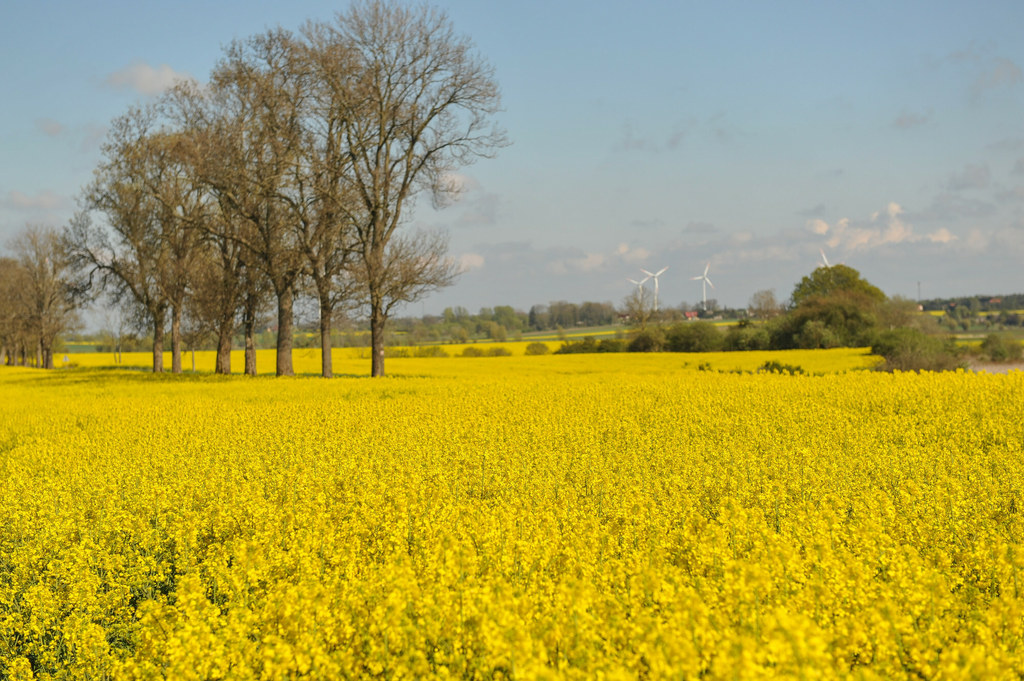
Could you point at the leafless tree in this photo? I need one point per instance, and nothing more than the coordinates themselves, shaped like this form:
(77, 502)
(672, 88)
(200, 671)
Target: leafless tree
(13, 328)
(45, 298)
(638, 307)
(255, 142)
(415, 104)
(125, 254)
(763, 304)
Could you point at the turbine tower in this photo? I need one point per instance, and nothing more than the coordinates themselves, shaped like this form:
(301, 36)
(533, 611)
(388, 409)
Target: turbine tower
(704, 284)
(655, 277)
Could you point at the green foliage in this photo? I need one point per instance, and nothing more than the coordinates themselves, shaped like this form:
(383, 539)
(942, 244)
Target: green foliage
(908, 349)
(1002, 347)
(827, 281)
(430, 351)
(747, 336)
(693, 337)
(840, 319)
(537, 349)
(590, 345)
(648, 340)
(494, 351)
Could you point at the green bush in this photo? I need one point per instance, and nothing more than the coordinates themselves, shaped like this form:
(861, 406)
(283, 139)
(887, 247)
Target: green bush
(430, 351)
(693, 337)
(1002, 347)
(498, 351)
(472, 351)
(537, 349)
(568, 347)
(908, 349)
(648, 340)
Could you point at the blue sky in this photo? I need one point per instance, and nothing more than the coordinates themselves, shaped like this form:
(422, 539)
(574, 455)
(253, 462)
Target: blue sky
(745, 134)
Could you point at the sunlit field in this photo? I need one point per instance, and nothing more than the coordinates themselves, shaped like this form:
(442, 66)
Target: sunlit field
(356, 361)
(585, 516)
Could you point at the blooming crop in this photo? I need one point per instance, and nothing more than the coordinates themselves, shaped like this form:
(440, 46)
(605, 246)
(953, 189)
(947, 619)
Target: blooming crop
(548, 517)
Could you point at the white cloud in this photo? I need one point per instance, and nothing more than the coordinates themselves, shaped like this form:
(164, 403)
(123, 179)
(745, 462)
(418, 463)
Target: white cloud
(818, 226)
(632, 255)
(43, 201)
(471, 261)
(942, 236)
(883, 227)
(145, 79)
(49, 127)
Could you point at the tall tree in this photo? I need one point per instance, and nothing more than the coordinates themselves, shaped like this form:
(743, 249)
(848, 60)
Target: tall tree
(261, 89)
(417, 105)
(13, 330)
(124, 255)
(45, 297)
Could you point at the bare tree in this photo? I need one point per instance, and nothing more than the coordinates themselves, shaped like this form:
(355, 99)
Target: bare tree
(13, 328)
(45, 296)
(638, 307)
(763, 304)
(255, 142)
(125, 255)
(415, 105)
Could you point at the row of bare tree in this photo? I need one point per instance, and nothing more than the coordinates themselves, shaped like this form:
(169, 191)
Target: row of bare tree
(292, 171)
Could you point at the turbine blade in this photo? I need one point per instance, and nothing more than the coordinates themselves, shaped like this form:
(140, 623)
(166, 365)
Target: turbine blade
(646, 272)
(709, 283)
(706, 267)
(661, 271)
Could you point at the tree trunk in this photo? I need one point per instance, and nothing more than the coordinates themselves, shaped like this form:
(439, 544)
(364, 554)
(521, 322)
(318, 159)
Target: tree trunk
(158, 341)
(326, 363)
(47, 356)
(223, 365)
(249, 327)
(377, 320)
(193, 359)
(285, 301)
(176, 339)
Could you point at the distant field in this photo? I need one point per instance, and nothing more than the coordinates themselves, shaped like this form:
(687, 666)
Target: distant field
(356, 361)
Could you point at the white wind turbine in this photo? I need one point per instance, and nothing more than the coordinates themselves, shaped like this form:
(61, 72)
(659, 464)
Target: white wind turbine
(639, 285)
(704, 284)
(655, 276)
(824, 260)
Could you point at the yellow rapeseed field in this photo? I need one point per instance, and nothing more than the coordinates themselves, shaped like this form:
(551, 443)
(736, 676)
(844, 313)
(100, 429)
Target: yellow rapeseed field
(522, 517)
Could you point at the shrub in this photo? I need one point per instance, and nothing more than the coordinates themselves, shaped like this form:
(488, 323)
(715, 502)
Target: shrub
(498, 351)
(472, 351)
(1001, 347)
(569, 347)
(912, 350)
(746, 336)
(693, 337)
(648, 340)
(536, 348)
(611, 345)
(430, 351)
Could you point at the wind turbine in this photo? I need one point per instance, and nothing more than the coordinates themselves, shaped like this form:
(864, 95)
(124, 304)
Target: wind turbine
(655, 276)
(704, 284)
(639, 284)
(824, 260)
